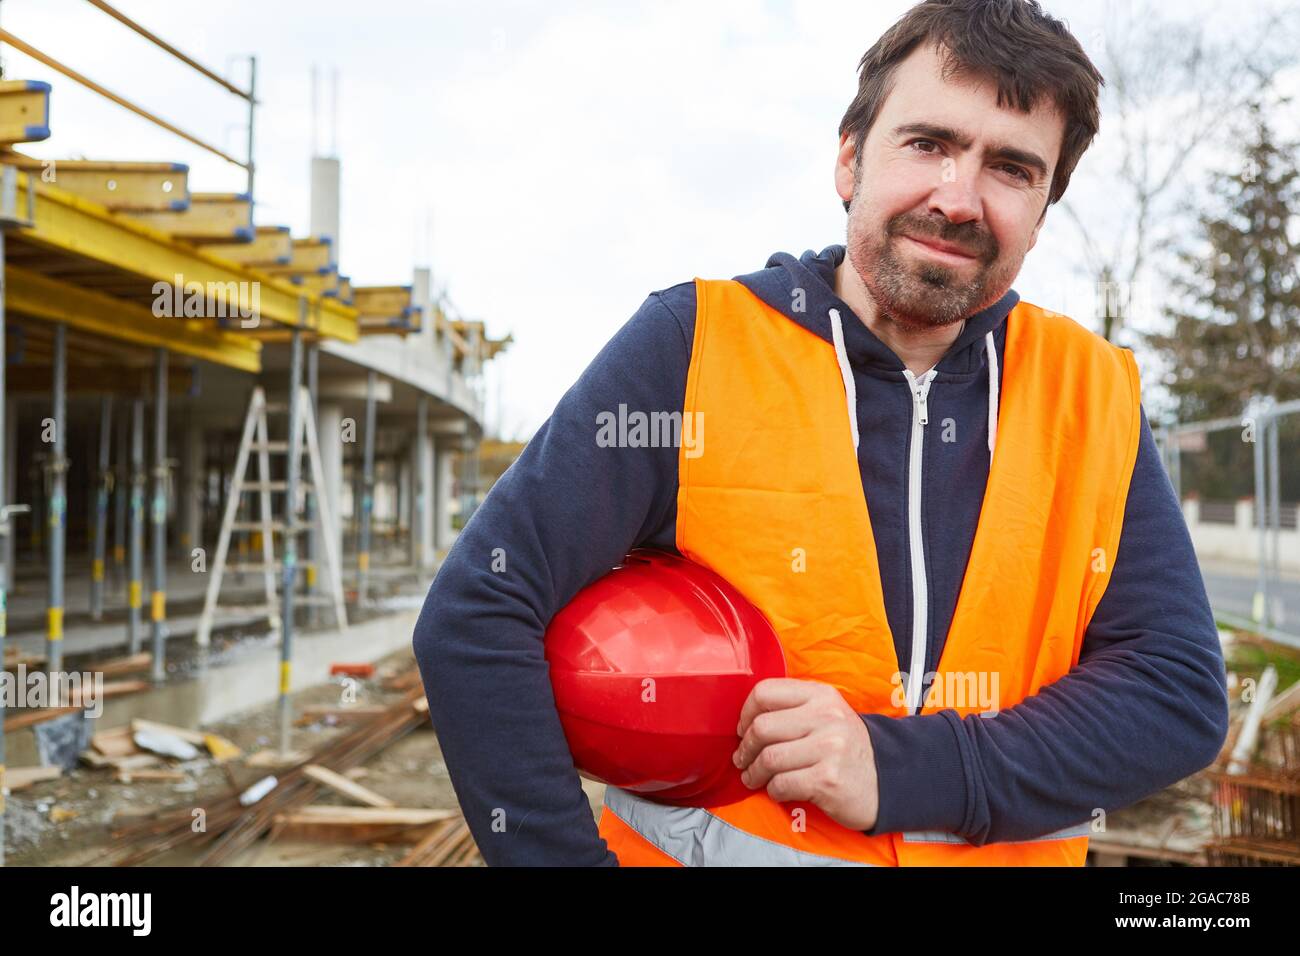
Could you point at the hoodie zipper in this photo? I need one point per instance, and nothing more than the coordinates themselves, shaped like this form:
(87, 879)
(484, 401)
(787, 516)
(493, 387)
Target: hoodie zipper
(920, 388)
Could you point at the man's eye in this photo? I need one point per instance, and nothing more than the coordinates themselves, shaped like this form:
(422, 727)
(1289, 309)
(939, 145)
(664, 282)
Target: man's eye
(925, 142)
(1016, 171)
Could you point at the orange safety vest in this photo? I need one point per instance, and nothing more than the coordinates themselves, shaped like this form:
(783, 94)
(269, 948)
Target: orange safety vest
(775, 505)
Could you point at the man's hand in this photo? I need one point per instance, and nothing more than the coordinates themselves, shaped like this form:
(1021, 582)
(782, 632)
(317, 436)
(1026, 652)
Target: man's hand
(802, 741)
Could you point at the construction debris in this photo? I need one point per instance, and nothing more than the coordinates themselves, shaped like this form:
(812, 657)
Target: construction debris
(358, 824)
(345, 787)
(19, 778)
(1257, 783)
(257, 791)
(168, 745)
(233, 827)
(448, 844)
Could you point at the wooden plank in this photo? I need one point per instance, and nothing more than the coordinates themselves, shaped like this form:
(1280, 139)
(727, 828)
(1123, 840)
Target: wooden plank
(359, 824)
(111, 688)
(125, 665)
(18, 778)
(27, 718)
(125, 775)
(116, 742)
(345, 787)
(273, 758)
(357, 712)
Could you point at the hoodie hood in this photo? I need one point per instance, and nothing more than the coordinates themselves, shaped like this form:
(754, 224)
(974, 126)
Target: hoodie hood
(803, 290)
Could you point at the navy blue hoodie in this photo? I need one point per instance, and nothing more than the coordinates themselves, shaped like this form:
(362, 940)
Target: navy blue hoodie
(1145, 707)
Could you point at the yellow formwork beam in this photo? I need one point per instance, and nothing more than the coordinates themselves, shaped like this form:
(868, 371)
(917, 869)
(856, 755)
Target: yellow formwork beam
(24, 111)
(137, 187)
(272, 246)
(74, 225)
(33, 294)
(309, 255)
(210, 217)
(319, 284)
(382, 301)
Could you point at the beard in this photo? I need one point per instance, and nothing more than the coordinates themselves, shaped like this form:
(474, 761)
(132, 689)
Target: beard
(919, 296)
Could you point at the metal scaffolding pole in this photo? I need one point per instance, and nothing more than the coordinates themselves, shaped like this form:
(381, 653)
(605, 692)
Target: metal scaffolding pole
(135, 587)
(367, 493)
(1261, 609)
(158, 606)
(101, 510)
(252, 114)
(291, 527)
(313, 543)
(57, 506)
(1275, 516)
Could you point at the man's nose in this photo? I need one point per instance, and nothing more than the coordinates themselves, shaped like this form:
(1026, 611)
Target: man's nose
(956, 196)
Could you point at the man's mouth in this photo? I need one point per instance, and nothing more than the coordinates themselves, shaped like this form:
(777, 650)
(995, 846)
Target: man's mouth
(943, 251)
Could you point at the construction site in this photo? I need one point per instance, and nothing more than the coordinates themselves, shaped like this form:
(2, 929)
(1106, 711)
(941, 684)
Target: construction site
(231, 470)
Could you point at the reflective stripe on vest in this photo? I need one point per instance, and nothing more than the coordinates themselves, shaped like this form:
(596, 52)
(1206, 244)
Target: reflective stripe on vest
(695, 837)
(934, 836)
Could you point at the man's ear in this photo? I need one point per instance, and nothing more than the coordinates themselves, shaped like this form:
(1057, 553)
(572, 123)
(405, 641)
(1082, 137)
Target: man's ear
(845, 160)
(1033, 238)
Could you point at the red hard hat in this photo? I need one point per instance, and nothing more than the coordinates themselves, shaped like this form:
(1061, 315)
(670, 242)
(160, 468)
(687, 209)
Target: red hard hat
(651, 665)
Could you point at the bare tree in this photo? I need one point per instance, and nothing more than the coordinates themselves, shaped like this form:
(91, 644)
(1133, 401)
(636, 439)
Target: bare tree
(1172, 87)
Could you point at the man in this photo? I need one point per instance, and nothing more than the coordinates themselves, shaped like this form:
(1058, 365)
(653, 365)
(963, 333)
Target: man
(983, 660)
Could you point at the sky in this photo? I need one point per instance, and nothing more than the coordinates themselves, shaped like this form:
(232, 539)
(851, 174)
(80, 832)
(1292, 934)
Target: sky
(553, 163)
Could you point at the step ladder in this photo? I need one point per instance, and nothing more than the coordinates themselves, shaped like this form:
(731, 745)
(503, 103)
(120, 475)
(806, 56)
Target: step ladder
(255, 438)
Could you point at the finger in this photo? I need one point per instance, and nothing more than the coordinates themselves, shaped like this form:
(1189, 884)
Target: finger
(802, 784)
(774, 693)
(780, 758)
(774, 727)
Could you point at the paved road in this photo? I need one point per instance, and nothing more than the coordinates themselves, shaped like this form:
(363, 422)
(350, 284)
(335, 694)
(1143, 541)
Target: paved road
(1232, 589)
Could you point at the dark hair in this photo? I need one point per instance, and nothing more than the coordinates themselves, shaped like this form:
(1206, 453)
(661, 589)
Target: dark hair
(1027, 52)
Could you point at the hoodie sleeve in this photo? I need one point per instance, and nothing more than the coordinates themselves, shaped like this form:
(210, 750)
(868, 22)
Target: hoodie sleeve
(1145, 706)
(563, 514)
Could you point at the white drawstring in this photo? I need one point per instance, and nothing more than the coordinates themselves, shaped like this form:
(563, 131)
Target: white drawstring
(851, 392)
(846, 373)
(992, 351)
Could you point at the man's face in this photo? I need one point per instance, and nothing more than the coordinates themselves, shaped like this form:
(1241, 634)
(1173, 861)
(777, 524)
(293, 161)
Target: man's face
(944, 165)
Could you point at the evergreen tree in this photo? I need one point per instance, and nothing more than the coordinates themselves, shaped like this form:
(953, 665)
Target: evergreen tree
(1236, 332)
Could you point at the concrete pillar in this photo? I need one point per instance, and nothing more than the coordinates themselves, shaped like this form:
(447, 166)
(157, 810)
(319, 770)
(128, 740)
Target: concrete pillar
(444, 448)
(329, 432)
(192, 481)
(325, 200)
(422, 527)
(405, 512)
